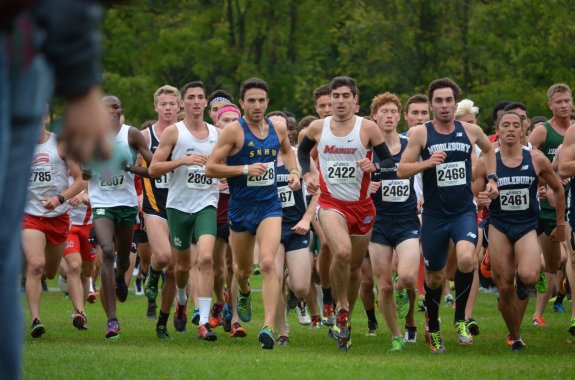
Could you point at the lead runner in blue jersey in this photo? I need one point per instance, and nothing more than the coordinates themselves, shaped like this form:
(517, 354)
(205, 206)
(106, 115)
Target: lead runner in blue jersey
(396, 223)
(514, 251)
(246, 154)
(445, 147)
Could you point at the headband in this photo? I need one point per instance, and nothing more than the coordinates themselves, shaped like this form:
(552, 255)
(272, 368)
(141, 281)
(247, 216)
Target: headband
(230, 108)
(219, 99)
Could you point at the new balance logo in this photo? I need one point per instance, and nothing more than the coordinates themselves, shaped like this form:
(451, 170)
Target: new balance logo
(415, 232)
(525, 167)
(471, 235)
(459, 134)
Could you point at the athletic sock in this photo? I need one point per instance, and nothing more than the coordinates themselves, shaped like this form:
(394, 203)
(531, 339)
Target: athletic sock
(91, 284)
(155, 272)
(327, 297)
(181, 296)
(371, 315)
(559, 298)
(163, 318)
(432, 301)
(463, 283)
(205, 306)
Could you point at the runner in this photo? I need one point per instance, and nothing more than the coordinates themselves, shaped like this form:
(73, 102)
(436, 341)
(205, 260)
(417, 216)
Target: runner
(346, 211)
(246, 154)
(513, 219)
(191, 203)
(445, 147)
(115, 206)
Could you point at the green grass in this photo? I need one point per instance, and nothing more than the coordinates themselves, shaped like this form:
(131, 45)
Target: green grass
(66, 353)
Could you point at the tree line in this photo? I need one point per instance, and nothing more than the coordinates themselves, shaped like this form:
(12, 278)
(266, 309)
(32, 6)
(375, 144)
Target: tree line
(495, 50)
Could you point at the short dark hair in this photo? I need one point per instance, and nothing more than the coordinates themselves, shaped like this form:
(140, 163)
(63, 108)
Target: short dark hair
(194, 84)
(500, 106)
(338, 82)
(219, 93)
(289, 114)
(252, 83)
(415, 99)
(443, 83)
(515, 105)
(305, 122)
(322, 90)
(277, 113)
(507, 113)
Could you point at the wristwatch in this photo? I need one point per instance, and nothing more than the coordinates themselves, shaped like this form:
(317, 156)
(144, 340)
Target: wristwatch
(246, 169)
(61, 199)
(492, 176)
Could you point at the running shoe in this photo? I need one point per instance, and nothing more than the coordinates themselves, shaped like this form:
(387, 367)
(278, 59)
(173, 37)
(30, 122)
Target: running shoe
(558, 308)
(180, 317)
(315, 321)
(113, 329)
(139, 291)
(472, 326)
(464, 337)
(228, 315)
(216, 318)
(518, 345)
(572, 326)
(37, 329)
(196, 316)
(91, 297)
(256, 270)
(205, 333)
(62, 284)
(44, 285)
(121, 289)
(410, 334)
(283, 341)
(401, 302)
(397, 343)
(151, 284)
(266, 338)
(151, 312)
(541, 285)
(449, 300)
(436, 343)
(341, 327)
(162, 332)
(538, 321)
(302, 315)
(328, 317)
(244, 307)
(79, 320)
(237, 331)
(371, 328)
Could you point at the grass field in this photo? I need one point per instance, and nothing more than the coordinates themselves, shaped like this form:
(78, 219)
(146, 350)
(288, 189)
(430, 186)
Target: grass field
(66, 353)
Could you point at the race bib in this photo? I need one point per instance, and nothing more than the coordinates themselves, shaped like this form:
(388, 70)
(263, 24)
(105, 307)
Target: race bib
(265, 179)
(164, 181)
(114, 182)
(339, 172)
(41, 176)
(395, 190)
(197, 178)
(286, 196)
(451, 174)
(514, 200)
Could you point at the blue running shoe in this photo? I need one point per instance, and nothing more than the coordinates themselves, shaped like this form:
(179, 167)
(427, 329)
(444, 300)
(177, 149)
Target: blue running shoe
(266, 338)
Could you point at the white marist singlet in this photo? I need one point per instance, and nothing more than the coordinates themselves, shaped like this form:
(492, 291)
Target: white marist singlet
(49, 178)
(340, 177)
(190, 190)
(111, 185)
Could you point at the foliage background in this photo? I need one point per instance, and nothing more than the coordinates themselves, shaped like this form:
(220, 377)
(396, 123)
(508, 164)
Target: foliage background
(495, 50)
